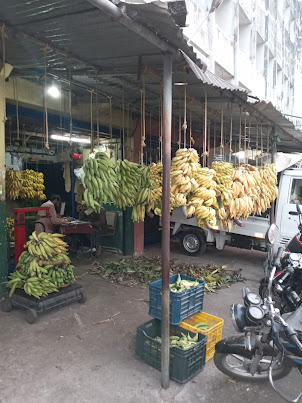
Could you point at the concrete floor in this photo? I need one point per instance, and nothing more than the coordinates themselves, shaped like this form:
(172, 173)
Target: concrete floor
(67, 356)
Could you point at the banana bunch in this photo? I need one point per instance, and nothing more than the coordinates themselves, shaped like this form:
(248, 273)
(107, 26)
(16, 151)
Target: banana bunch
(46, 246)
(100, 181)
(144, 195)
(35, 286)
(10, 229)
(269, 190)
(245, 189)
(205, 215)
(156, 180)
(32, 185)
(61, 276)
(183, 166)
(13, 180)
(44, 266)
(223, 178)
(128, 178)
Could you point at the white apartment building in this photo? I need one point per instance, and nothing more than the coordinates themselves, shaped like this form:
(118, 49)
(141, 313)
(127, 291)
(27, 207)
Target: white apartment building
(252, 43)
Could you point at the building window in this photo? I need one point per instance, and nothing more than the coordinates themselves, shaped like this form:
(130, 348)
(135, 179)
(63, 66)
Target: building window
(260, 49)
(224, 16)
(245, 33)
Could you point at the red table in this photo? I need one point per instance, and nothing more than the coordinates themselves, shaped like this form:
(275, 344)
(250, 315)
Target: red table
(76, 227)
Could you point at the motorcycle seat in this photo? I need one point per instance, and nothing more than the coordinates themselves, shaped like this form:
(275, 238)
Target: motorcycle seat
(294, 320)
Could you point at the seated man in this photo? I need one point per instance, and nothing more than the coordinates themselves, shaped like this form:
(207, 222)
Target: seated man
(99, 223)
(44, 223)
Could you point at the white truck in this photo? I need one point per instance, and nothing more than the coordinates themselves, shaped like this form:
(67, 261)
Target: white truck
(194, 240)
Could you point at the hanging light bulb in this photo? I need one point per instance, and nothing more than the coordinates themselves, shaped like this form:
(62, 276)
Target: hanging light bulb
(53, 91)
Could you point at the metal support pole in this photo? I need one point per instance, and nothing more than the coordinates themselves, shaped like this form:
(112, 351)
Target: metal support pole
(167, 123)
(3, 239)
(274, 155)
(72, 177)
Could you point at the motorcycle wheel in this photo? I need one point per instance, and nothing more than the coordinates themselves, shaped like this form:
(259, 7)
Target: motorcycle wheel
(237, 367)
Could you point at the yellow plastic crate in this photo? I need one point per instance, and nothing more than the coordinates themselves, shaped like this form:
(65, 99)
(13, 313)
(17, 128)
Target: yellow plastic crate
(214, 334)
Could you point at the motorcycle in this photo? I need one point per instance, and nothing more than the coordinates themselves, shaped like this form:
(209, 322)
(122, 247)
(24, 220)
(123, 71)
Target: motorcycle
(287, 282)
(270, 344)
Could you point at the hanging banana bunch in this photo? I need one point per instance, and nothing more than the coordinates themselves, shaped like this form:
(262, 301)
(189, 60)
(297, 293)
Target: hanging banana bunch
(100, 181)
(13, 180)
(143, 196)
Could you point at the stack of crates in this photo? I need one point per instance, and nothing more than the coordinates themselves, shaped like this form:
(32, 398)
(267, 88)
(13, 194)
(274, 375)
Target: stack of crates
(185, 311)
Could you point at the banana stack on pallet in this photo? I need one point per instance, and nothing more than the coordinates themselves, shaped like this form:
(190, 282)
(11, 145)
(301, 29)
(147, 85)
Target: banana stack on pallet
(203, 199)
(44, 266)
(100, 181)
(128, 179)
(143, 196)
(13, 181)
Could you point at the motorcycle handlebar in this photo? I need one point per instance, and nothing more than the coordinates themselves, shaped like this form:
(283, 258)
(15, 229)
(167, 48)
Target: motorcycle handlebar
(278, 256)
(294, 339)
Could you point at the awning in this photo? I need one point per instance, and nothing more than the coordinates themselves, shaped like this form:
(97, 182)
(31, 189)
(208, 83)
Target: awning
(268, 110)
(211, 79)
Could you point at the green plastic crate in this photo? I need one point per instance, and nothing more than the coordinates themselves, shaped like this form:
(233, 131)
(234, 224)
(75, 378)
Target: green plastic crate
(184, 364)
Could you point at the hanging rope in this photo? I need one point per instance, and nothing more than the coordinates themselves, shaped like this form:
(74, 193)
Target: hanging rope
(110, 116)
(61, 117)
(240, 130)
(231, 132)
(3, 37)
(221, 133)
(185, 123)
(214, 145)
(70, 104)
(45, 98)
(97, 141)
(268, 139)
(249, 140)
(179, 129)
(16, 97)
(205, 129)
(160, 124)
(209, 143)
(244, 131)
(257, 143)
(91, 119)
(150, 138)
(143, 120)
(261, 140)
(123, 119)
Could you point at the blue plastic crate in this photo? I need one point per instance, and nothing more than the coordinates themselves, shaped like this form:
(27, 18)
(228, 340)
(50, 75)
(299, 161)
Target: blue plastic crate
(182, 305)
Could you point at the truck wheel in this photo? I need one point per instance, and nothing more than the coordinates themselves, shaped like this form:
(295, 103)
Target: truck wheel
(193, 242)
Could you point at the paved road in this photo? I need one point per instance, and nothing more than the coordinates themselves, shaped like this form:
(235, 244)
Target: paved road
(69, 356)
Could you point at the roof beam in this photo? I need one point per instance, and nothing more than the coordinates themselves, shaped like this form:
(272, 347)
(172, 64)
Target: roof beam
(120, 15)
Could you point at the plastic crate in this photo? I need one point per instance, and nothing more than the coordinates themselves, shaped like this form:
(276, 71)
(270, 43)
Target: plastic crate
(214, 334)
(184, 364)
(182, 305)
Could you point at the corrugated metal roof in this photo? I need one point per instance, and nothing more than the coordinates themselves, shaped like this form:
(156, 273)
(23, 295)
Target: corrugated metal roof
(211, 79)
(268, 110)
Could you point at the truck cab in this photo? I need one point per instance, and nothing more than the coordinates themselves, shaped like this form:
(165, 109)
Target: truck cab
(194, 239)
